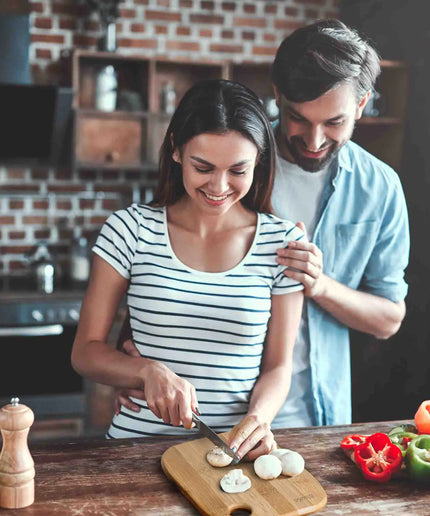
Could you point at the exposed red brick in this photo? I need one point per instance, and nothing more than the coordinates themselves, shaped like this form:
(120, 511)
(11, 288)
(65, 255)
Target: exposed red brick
(119, 188)
(331, 14)
(47, 38)
(40, 205)
(19, 188)
(141, 2)
(66, 188)
(87, 175)
(16, 205)
(248, 35)
(311, 13)
(185, 4)
(160, 29)
(163, 3)
(291, 11)
(183, 31)
(16, 249)
(287, 24)
(67, 8)
(91, 25)
(127, 13)
(271, 8)
(249, 8)
(42, 233)
(205, 33)
(137, 43)
(68, 23)
(249, 22)
(99, 221)
(87, 204)
(220, 47)
(63, 174)
(84, 41)
(208, 5)
(319, 2)
(6, 219)
(183, 45)
(207, 18)
(43, 23)
(39, 174)
(228, 6)
(163, 15)
(34, 219)
(264, 51)
(110, 204)
(269, 37)
(36, 7)
(64, 205)
(65, 234)
(15, 173)
(137, 27)
(17, 266)
(227, 34)
(43, 53)
(16, 235)
(111, 175)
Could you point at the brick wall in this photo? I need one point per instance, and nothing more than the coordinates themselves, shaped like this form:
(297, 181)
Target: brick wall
(55, 204)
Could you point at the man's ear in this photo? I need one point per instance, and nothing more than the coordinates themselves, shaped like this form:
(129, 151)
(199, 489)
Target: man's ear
(176, 155)
(277, 95)
(361, 105)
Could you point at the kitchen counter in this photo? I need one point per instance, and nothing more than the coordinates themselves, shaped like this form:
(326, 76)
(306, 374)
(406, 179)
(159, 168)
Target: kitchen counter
(100, 477)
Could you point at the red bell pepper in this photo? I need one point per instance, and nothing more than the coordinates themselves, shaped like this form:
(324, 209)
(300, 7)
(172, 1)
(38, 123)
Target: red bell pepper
(350, 442)
(378, 458)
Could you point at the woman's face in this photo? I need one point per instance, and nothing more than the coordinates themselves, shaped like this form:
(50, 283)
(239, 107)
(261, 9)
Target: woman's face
(217, 169)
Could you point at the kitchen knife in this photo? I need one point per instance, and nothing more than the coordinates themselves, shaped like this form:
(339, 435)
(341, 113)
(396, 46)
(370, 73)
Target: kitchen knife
(207, 431)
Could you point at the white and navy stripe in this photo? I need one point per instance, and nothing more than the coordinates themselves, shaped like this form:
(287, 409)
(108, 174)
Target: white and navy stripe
(206, 327)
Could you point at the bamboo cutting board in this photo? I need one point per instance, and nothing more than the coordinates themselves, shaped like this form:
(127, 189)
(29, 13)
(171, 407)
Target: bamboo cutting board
(186, 464)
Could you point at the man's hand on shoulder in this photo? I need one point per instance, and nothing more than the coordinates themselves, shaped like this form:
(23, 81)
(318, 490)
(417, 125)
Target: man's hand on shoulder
(305, 264)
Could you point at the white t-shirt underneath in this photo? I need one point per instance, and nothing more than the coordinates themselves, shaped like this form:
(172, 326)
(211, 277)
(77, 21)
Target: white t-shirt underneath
(297, 197)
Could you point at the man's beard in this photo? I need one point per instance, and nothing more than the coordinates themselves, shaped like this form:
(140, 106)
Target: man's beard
(312, 164)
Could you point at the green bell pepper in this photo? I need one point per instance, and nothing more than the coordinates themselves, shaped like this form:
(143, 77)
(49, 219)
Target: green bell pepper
(417, 458)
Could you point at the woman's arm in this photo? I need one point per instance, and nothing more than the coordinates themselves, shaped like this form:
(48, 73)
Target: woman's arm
(273, 384)
(168, 396)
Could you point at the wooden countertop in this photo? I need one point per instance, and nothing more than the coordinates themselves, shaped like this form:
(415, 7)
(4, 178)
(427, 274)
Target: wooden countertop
(100, 477)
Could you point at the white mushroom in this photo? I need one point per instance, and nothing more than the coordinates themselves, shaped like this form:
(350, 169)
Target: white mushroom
(217, 458)
(278, 452)
(292, 464)
(267, 467)
(235, 482)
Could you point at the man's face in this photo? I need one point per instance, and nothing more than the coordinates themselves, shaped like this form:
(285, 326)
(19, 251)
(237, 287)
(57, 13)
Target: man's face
(311, 133)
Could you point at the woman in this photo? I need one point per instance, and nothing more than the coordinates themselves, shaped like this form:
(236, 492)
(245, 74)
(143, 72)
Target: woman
(212, 314)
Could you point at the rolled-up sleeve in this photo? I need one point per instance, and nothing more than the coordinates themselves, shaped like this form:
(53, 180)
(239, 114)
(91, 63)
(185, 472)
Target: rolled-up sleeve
(385, 271)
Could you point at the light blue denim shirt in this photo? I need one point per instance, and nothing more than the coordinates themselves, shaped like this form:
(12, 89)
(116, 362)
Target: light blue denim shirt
(363, 233)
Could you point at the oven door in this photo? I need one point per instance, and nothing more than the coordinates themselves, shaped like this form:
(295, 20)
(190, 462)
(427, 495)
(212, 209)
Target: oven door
(36, 367)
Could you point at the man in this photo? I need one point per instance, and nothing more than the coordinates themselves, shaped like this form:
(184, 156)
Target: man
(353, 209)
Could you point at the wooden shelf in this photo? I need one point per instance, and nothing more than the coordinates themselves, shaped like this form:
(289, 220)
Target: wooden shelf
(379, 120)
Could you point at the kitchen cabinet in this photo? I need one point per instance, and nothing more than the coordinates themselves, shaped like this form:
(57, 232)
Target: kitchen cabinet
(129, 133)
(124, 476)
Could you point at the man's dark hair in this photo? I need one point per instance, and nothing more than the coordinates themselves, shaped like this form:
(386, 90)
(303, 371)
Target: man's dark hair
(314, 59)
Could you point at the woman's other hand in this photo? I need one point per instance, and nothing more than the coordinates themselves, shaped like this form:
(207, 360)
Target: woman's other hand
(253, 437)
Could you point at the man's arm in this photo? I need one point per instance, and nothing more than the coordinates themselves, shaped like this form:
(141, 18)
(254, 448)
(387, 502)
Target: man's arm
(359, 310)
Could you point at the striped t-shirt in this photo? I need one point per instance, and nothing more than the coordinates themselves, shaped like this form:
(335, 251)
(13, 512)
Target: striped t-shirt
(207, 327)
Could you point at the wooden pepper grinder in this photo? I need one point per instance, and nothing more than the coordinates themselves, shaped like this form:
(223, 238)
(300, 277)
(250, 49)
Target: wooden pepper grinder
(16, 462)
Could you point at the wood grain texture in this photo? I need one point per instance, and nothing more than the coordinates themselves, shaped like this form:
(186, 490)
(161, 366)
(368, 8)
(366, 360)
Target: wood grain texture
(124, 477)
(200, 482)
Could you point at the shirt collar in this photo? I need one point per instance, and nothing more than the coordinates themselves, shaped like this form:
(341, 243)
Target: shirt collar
(344, 158)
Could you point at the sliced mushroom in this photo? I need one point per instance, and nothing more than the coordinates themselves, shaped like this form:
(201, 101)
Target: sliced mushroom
(292, 462)
(235, 482)
(217, 458)
(267, 467)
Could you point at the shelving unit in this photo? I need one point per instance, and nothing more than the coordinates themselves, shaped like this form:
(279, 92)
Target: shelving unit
(130, 136)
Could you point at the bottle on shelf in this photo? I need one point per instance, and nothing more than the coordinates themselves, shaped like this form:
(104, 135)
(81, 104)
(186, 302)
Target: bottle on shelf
(106, 89)
(79, 261)
(168, 98)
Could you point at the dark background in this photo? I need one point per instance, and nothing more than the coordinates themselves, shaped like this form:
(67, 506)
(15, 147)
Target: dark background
(390, 378)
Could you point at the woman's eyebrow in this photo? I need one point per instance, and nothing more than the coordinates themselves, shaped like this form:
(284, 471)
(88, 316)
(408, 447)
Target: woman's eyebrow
(204, 162)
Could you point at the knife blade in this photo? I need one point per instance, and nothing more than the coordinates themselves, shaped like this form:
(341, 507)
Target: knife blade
(207, 431)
